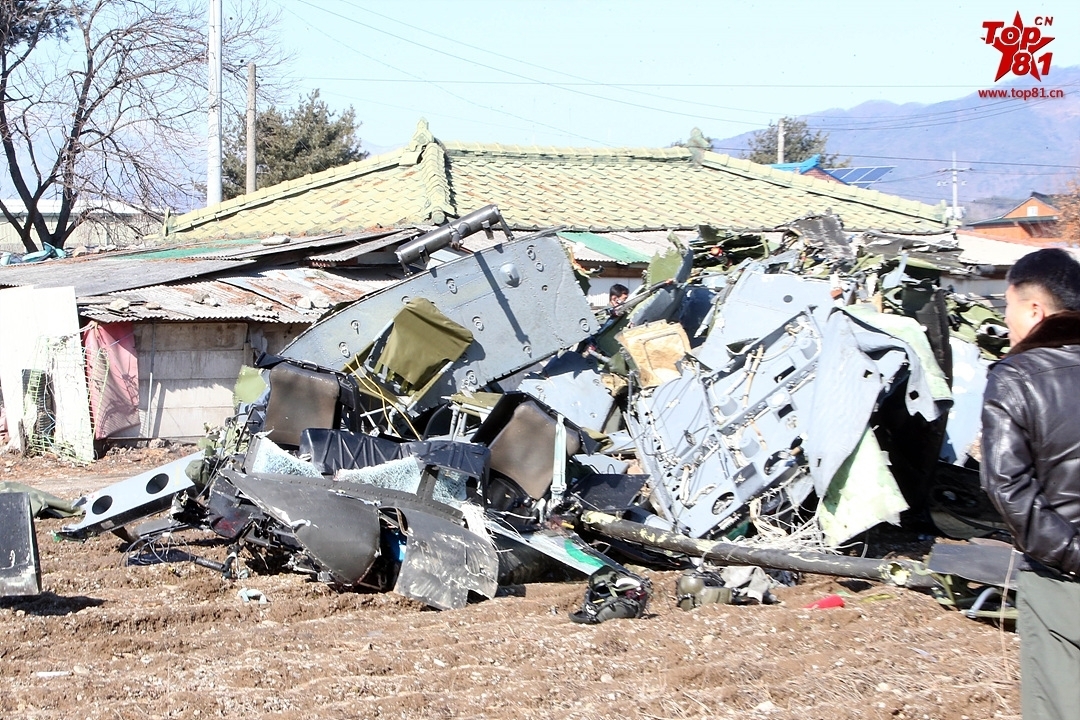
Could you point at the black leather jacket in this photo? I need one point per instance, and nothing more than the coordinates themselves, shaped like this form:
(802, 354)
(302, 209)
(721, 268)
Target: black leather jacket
(1031, 442)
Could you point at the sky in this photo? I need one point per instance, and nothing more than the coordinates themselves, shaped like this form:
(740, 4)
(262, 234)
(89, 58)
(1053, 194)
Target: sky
(638, 73)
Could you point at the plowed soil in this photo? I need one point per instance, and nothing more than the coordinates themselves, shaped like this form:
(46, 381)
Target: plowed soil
(108, 640)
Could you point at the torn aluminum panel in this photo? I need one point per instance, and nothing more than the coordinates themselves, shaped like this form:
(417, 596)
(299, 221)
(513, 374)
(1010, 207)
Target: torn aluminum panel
(847, 389)
(715, 441)
(866, 356)
(863, 493)
(444, 562)
(520, 554)
(520, 300)
(825, 232)
(758, 302)
(339, 533)
(572, 385)
(965, 415)
(132, 499)
(20, 568)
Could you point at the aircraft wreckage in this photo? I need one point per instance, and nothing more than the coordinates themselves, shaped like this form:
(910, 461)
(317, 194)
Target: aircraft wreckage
(478, 424)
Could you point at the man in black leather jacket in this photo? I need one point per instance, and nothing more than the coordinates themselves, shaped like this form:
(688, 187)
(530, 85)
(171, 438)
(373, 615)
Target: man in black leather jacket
(1031, 471)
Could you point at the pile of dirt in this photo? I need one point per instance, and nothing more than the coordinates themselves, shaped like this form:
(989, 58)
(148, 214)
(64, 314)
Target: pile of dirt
(111, 640)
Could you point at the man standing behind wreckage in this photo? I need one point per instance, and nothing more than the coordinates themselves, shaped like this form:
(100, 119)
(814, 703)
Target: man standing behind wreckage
(1031, 471)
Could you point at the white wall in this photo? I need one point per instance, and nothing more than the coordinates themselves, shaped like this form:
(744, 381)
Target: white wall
(187, 372)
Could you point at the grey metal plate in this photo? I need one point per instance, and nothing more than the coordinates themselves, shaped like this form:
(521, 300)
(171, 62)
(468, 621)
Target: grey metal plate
(759, 302)
(573, 387)
(444, 562)
(717, 440)
(20, 569)
(520, 300)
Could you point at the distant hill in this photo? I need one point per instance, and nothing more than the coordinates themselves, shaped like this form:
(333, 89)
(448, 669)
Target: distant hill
(978, 130)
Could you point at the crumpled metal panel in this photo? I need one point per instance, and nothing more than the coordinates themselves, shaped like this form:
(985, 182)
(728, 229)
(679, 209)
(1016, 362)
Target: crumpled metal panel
(758, 302)
(20, 569)
(132, 499)
(573, 386)
(845, 392)
(341, 533)
(965, 415)
(444, 562)
(715, 441)
(519, 299)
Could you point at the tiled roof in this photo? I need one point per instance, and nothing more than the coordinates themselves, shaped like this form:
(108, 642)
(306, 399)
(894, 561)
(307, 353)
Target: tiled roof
(580, 189)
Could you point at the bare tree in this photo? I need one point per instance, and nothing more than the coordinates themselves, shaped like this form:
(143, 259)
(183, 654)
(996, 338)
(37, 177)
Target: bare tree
(103, 103)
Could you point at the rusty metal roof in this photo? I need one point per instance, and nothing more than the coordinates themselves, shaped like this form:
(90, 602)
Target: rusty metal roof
(98, 274)
(295, 295)
(364, 245)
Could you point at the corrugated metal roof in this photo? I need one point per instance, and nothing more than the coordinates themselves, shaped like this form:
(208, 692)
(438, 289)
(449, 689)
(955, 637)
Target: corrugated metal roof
(603, 246)
(373, 243)
(102, 274)
(286, 244)
(296, 295)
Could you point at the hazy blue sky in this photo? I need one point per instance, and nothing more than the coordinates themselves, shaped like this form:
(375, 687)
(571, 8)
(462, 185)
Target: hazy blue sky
(639, 72)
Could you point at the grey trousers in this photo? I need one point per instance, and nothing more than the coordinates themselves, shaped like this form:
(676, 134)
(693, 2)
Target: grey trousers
(1049, 628)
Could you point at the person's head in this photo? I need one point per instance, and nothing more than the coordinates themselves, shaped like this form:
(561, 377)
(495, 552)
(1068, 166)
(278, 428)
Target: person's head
(618, 293)
(1041, 284)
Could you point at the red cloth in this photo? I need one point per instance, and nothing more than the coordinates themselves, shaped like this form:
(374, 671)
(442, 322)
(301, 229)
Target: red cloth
(112, 370)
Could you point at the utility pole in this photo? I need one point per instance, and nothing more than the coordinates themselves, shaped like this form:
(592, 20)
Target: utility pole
(250, 185)
(213, 151)
(955, 212)
(780, 141)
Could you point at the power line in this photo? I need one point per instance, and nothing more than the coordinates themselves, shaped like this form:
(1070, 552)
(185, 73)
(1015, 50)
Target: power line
(586, 82)
(935, 160)
(454, 95)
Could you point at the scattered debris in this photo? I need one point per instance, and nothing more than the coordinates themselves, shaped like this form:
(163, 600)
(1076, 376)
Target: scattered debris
(20, 569)
(477, 424)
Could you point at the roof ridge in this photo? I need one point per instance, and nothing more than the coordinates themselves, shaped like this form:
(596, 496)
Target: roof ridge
(434, 172)
(873, 198)
(500, 149)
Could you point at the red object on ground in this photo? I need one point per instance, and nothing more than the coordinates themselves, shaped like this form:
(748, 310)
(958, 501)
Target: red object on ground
(829, 601)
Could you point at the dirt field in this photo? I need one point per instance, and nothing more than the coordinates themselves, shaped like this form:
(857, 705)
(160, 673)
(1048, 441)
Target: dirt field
(175, 641)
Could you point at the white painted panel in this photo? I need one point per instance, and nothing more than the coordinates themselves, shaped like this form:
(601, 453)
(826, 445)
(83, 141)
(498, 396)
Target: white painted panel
(40, 331)
(17, 342)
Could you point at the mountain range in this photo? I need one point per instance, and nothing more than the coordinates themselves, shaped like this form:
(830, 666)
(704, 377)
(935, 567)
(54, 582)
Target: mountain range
(1005, 147)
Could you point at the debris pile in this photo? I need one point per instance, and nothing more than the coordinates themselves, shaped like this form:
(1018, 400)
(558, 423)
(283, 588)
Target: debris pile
(478, 424)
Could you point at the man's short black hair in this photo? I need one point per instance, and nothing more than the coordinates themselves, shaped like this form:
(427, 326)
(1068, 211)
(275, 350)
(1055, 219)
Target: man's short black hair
(618, 289)
(1055, 271)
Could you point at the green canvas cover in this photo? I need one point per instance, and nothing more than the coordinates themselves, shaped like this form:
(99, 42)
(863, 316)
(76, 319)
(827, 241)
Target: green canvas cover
(421, 341)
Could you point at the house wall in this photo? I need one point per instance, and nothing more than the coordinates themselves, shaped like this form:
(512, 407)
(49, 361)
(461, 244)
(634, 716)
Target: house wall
(1041, 209)
(186, 376)
(1020, 233)
(187, 371)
